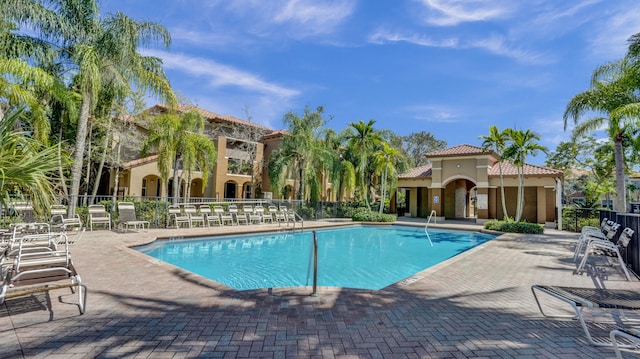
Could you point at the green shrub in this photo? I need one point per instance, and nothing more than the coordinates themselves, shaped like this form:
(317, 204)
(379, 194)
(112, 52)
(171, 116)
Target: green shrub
(514, 227)
(370, 216)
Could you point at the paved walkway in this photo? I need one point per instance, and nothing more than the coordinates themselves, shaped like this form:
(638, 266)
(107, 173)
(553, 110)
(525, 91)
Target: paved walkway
(478, 304)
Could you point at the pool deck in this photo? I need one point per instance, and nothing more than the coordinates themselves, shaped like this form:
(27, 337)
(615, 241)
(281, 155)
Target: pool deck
(476, 305)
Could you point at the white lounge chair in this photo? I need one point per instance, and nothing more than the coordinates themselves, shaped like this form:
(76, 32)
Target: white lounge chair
(607, 249)
(195, 216)
(60, 221)
(210, 218)
(239, 217)
(127, 217)
(588, 298)
(177, 216)
(224, 217)
(99, 215)
(36, 271)
(256, 215)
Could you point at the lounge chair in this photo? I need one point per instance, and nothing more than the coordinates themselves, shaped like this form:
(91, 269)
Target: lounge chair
(99, 215)
(271, 215)
(608, 232)
(608, 250)
(59, 220)
(256, 215)
(224, 217)
(239, 217)
(210, 218)
(36, 271)
(177, 216)
(630, 334)
(127, 217)
(580, 298)
(194, 215)
(281, 215)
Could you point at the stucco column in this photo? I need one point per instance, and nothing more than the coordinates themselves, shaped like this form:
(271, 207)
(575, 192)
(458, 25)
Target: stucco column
(482, 203)
(436, 201)
(541, 205)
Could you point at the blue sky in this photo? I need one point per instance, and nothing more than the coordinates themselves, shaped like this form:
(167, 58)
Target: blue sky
(450, 67)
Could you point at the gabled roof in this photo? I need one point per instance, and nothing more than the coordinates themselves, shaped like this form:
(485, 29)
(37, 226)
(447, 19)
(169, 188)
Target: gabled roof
(212, 116)
(418, 172)
(509, 169)
(460, 150)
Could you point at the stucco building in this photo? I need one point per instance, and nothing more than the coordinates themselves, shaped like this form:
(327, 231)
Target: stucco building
(464, 182)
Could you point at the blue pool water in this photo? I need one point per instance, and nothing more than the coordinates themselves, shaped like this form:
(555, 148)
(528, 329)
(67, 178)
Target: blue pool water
(366, 257)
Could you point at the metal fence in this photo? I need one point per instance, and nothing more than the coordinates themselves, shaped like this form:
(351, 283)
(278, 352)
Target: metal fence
(155, 209)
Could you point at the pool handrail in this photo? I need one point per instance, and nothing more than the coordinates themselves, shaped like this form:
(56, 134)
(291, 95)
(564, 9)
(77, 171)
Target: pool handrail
(427, 225)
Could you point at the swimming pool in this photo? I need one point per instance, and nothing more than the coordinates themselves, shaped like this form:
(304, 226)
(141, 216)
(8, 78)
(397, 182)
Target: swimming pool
(366, 257)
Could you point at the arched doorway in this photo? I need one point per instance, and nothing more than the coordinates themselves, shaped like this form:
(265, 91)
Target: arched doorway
(459, 199)
(151, 186)
(230, 189)
(196, 188)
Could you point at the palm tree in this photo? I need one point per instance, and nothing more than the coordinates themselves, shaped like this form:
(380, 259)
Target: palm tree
(95, 51)
(614, 100)
(363, 140)
(300, 151)
(497, 141)
(522, 144)
(26, 165)
(385, 160)
(179, 142)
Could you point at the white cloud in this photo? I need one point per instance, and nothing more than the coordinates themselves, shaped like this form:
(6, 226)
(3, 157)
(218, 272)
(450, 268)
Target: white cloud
(612, 32)
(296, 18)
(381, 36)
(218, 75)
(454, 12)
(434, 113)
(494, 44)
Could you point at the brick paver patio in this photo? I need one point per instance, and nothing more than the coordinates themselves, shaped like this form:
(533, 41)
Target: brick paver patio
(478, 304)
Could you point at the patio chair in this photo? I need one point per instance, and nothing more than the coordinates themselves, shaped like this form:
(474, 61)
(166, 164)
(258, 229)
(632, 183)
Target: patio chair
(127, 217)
(99, 215)
(281, 215)
(59, 220)
(209, 217)
(608, 250)
(194, 215)
(224, 217)
(205, 212)
(239, 217)
(36, 271)
(608, 233)
(630, 334)
(256, 215)
(177, 216)
(269, 214)
(581, 298)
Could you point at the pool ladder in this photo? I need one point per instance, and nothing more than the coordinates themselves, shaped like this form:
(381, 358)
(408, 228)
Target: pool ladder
(427, 225)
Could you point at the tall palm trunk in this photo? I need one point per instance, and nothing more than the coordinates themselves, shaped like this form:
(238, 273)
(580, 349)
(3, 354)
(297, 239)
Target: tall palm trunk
(78, 156)
(365, 192)
(384, 190)
(621, 195)
(505, 215)
(103, 157)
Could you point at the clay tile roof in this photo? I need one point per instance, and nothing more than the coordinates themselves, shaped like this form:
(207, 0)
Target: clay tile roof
(418, 172)
(140, 161)
(274, 134)
(460, 150)
(212, 116)
(509, 169)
